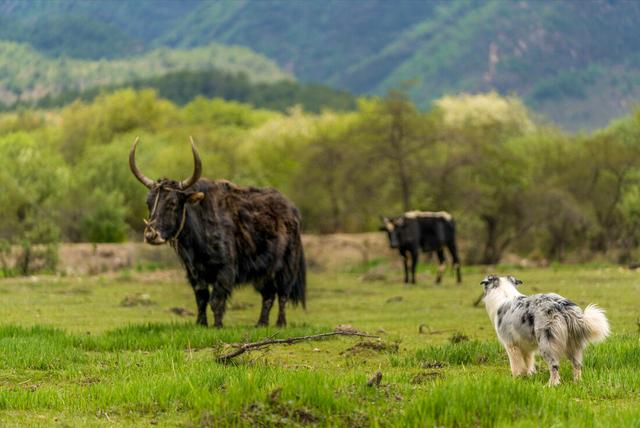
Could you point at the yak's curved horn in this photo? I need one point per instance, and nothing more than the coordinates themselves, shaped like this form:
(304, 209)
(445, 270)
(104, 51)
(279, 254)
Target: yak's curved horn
(197, 168)
(134, 169)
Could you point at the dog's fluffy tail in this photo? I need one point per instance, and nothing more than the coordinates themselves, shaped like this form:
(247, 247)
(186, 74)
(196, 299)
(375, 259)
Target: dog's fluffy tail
(596, 324)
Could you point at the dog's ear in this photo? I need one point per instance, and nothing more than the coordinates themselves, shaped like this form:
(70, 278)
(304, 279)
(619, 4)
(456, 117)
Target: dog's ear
(490, 281)
(515, 281)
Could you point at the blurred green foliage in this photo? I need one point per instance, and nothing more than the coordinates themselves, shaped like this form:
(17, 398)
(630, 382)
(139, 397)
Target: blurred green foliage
(514, 185)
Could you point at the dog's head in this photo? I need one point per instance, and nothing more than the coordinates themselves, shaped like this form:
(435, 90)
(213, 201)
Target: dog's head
(493, 282)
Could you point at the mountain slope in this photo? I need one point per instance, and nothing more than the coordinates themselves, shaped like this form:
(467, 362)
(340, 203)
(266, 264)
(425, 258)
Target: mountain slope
(90, 29)
(313, 40)
(576, 61)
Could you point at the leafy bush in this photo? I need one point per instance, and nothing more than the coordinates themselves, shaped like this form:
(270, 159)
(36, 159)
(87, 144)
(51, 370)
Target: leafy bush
(104, 218)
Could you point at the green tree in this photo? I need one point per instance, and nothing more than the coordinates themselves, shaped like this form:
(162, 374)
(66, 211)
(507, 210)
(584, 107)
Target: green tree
(396, 135)
(33, 178)
(493, 175)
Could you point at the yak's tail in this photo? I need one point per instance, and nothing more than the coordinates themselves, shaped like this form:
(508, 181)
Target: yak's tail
(595, 324)
(299, 288)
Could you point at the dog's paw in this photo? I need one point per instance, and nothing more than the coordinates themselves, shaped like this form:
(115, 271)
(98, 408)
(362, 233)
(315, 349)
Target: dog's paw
(553, 382)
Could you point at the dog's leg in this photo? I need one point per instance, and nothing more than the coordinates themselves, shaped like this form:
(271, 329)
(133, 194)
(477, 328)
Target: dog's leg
(516, 360)
(576, 361)
(530, 362)
(552, 360)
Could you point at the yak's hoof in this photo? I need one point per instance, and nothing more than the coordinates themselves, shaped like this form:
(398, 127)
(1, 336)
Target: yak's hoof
(281, 324)
(203, 323)
(262, 324)
(217, 325)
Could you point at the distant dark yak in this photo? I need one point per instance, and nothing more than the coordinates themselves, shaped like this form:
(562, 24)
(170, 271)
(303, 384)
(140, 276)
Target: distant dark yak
(423, 230)
(226, 235)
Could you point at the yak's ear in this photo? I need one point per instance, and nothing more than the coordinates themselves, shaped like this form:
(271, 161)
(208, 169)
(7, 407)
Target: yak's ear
(195, 197)
(514, 280)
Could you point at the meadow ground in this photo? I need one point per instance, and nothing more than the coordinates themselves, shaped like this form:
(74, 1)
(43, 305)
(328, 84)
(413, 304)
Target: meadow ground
(72, 354)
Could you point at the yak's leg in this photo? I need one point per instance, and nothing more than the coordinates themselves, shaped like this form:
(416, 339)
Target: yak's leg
(202, 298)
(268, 292)
(414, 265)
(453, 250)
(282, 317)
(442, 265)
(406, 267)
(201, 292)
(218, 304)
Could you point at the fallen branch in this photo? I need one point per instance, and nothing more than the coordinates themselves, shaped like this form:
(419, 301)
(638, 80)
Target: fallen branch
(242, 348)
(425, 329)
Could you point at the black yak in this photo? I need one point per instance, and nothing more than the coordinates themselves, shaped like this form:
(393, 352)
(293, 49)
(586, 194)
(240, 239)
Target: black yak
(423, 230)
(225, 235)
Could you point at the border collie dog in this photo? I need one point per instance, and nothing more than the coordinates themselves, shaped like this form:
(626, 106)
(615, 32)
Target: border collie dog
(547, 323)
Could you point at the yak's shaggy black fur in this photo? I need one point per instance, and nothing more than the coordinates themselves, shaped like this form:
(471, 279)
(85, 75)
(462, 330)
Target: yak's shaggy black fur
(226, 235)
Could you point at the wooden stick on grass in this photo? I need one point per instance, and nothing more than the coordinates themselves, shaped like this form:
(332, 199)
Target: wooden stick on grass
(241, 349)
(478, 300)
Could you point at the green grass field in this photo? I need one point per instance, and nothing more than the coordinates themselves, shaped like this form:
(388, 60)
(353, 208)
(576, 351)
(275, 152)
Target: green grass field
(71, 354)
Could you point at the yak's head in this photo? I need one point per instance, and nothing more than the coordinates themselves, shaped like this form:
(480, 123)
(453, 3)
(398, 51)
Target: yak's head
(393, 227)
(167, 200)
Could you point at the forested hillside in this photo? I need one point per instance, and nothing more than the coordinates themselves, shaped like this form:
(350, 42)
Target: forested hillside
(184, 86)
(28, 75)
(575, 61)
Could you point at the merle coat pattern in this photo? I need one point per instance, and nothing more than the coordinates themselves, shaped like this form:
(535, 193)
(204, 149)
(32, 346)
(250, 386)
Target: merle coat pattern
(426, 231)
(226, 235)
(548, 323)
